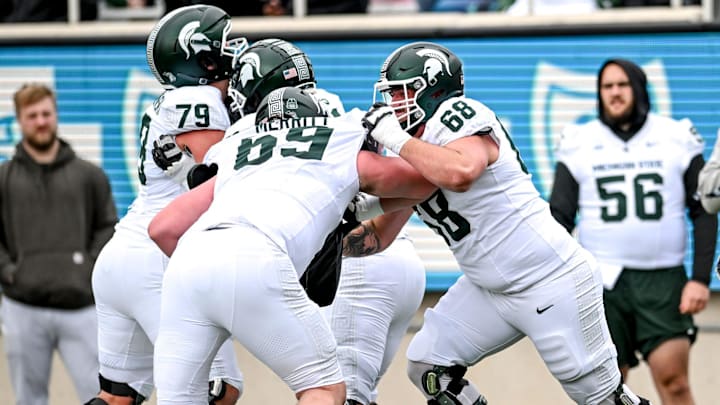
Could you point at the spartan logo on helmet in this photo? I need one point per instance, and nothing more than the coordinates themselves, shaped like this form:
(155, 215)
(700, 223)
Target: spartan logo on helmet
(435, 64)
(249, 68)
(188, 38)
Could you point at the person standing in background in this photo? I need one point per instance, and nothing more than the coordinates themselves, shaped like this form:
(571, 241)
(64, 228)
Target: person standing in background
(633, 176)
(57, 212)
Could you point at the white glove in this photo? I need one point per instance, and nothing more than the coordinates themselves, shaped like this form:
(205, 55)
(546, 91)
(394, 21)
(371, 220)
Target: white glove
(365, 206)
(382, 124)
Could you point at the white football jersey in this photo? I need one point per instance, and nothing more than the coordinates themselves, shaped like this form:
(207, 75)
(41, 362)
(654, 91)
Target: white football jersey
(328, 101)
(500, 230)
(291, 179)
(175, 112)
(632, 191)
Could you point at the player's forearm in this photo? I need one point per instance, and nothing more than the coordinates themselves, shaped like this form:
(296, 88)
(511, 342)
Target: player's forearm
(176, 218)
(396, 204)
(444, 167)
(392, 177)
(375, 235)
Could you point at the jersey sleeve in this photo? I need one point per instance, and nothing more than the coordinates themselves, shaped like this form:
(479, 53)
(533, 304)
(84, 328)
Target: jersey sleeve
(192, 109)
(460, 117)
(689, 141)
(567, 147)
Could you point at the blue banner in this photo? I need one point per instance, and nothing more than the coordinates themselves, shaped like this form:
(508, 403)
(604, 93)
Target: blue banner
(536, 85)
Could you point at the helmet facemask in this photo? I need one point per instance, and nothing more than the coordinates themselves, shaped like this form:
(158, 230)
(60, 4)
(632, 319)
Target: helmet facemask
(232, 47)
(407, 109)
(237, 102)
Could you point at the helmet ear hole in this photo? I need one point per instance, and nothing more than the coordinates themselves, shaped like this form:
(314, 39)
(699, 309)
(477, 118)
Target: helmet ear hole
(439, 93)
(208, 63)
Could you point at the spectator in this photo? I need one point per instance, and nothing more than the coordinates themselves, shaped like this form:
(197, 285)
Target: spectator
(632, 175)
(57, 212)
(46, 11)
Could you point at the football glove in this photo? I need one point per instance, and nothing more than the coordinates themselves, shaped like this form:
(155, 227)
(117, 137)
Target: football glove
(200, 173)
(365, 206)
(174, 162)
(382, 124)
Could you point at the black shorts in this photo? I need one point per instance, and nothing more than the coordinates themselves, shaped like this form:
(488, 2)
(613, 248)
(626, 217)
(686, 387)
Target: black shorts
(642, 311)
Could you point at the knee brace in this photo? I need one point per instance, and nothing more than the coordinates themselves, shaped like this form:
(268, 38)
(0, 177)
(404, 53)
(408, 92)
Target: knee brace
(444, 385)
(624, 396)
(120, 390)
(216, 390)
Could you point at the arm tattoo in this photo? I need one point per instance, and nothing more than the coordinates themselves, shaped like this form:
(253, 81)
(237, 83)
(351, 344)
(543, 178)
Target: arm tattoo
(361, 241)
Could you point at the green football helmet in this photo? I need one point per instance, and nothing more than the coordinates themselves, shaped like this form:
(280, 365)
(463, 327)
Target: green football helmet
(267, 65)
(421, 75)
(288, 103)
(189, 46)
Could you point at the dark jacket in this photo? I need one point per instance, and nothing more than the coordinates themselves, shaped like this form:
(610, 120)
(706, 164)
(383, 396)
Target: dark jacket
(55, 219)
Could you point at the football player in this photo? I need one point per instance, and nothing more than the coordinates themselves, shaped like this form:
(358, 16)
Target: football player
(189, 52)
(632, 175)
(280, 188)
(377, 295)
(523, 274)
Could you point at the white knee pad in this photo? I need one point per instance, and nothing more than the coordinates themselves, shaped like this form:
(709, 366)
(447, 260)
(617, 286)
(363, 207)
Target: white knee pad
(443, 385)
